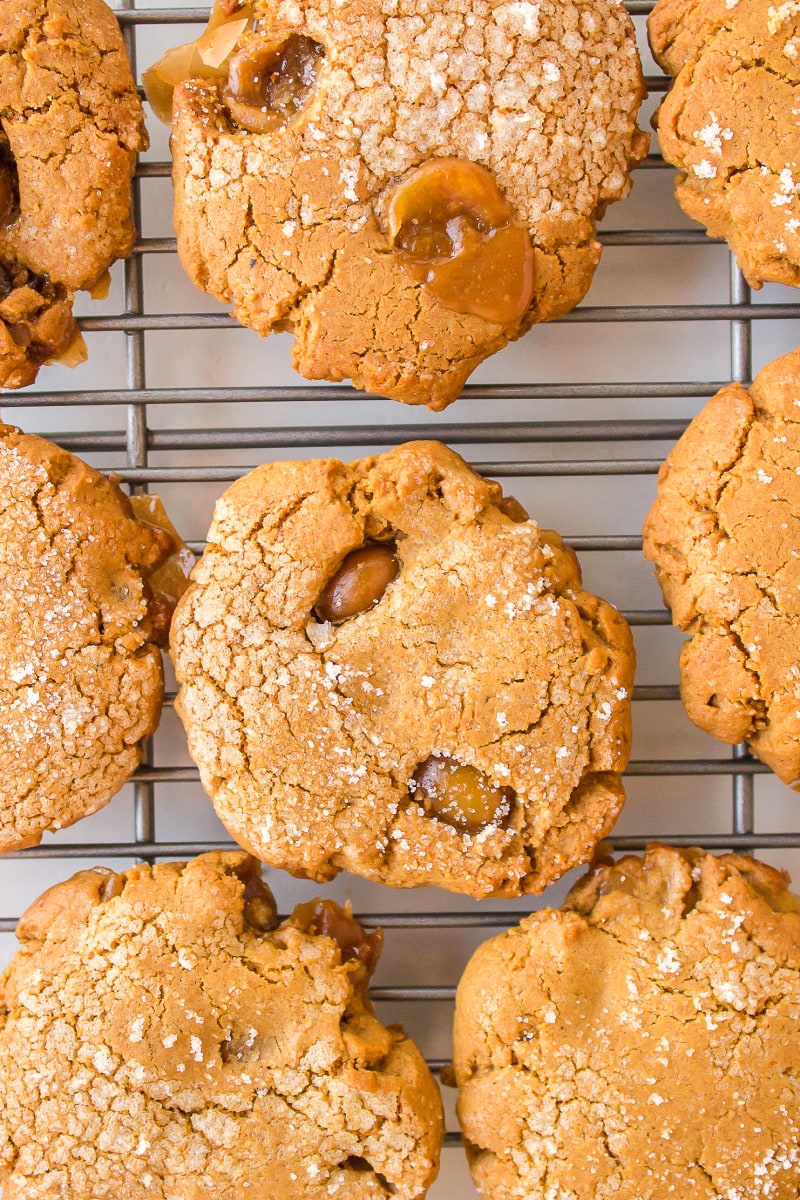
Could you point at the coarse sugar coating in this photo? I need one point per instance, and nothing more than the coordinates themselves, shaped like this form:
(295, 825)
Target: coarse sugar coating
(72, 124)
(729, 123)
(641, 1042)
(166, 1037)
(464, 725)
(724, 534)
(82, 676)
(294, 225)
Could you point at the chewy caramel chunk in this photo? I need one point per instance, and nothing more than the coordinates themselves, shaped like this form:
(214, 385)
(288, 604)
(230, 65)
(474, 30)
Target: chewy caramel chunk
(459, 794)
(328, 919)
(37, 314)
(258, 903)
(168, 576)
(454, 231)
(269, 80)
(9, 183)
(358, 584)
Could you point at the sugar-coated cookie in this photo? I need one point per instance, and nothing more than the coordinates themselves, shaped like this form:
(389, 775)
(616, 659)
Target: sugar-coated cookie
(84, 603)
(383, 671)
(729, 124)
(641, 1042)
(724, 534)
(72, 124)
(404, 186)
(165, 1037)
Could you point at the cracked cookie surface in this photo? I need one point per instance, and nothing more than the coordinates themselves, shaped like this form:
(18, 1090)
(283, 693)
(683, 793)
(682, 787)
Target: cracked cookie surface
(640, 1042)
(729, 124)
(467, 730)
(724, 534)
(164, 1036)
(82, 678)
(72, 124)
(291, 225)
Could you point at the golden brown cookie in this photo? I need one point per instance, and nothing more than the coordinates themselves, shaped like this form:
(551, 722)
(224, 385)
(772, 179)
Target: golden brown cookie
(165, 1037)
(729, 124)
(724, 534)
(71, 124)
(406, 187)
(641, 1042)
(86, 594)
(383, 671)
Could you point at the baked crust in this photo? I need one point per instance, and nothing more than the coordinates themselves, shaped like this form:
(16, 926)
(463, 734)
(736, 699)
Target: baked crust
(484, 649)
(291, 225)
(640, 1042)
(164, 1035)
(82, 679)
(721, 534)
(72, 125)
(729, 125)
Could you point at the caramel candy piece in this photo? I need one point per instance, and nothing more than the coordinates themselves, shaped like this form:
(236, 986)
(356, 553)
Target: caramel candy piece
(359, 583)
(169, 577)
(456, 233)
(258, 903)
(460, 795)
(9, 184)
(38, 315)
(269, 80)
(325, 917)
(113, 883)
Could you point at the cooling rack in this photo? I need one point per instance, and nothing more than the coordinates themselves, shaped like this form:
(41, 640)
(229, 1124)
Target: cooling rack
(575, 419)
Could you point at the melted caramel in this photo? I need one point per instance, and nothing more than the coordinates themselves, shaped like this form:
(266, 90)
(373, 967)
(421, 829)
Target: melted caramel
(169, 578)
(325, 917)
(460, 795)
(9, 183)
(455, 232)
(269, 80)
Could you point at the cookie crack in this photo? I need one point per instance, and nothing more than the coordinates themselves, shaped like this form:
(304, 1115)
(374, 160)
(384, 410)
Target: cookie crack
(231, 703)
(378, 1133)
(619, 1163)
(292, 310)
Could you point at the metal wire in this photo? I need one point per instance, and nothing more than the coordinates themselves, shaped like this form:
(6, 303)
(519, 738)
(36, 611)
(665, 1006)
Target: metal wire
(140, 440)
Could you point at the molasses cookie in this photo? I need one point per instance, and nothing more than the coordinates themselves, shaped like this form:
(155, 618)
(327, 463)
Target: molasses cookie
(729, 124)
(384, 667)
(71, 124)
(165, 1035)
(86, 593)
(642, 1041)
(407, 187)
(724, 534)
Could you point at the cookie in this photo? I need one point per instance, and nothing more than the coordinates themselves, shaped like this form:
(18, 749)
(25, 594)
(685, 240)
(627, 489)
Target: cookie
(404, 187)
(71, 125)
(640, 1042)
(86, 593)
(383, 671)
(165, 1036)
(729, 125)
(722, 533)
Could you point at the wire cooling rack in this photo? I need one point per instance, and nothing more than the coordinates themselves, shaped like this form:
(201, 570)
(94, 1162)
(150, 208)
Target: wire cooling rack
(575, 419)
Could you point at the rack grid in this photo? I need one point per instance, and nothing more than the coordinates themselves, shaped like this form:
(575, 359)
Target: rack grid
(579, 443)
